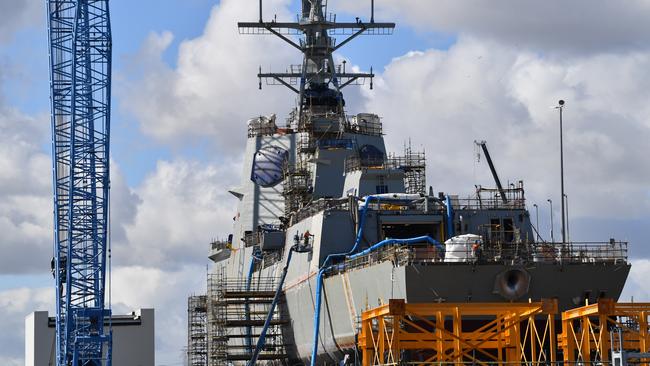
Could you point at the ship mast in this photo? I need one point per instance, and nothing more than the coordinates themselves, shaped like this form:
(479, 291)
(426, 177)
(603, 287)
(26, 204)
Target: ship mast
(318, 81)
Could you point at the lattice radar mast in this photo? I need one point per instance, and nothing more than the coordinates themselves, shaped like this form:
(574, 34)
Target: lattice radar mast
(318, 80)
(80, 82)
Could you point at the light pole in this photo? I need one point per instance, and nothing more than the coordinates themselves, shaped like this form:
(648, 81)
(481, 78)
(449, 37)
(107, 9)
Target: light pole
(536, 220)
(551, 203)
(566, 200)
(561, 108)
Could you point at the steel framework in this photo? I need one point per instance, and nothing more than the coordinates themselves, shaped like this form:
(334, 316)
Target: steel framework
(232, 309)
(80, 68)
(586, 331)
(197, 330)
(447, 333)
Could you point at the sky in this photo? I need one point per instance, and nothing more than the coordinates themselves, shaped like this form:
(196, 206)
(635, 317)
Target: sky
(455, 71)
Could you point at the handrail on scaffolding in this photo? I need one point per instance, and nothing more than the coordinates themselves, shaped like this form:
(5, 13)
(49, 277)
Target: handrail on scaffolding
(442, 333)
(586, 331)
(604, 333)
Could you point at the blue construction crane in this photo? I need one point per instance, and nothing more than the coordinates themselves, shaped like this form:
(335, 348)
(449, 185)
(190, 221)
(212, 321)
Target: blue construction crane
(80, 82)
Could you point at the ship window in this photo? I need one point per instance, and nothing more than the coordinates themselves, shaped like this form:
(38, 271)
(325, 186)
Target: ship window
(508, 230)
(382, 189)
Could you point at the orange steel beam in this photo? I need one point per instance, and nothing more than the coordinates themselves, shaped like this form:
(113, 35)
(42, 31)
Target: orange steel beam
(389, 329)
(585, 331)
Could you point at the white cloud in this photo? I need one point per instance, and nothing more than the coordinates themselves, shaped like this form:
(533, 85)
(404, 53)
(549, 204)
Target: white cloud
(636, 286)
(123, 206)
(26, 218)
(568, 27)
(165, 290)
(25, 193)
(184, 204)
(211, 93)
(16, 14)
(483, 90)
(15, 305)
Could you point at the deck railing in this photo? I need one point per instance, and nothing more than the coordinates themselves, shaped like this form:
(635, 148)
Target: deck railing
(582, 252)
(488, 203)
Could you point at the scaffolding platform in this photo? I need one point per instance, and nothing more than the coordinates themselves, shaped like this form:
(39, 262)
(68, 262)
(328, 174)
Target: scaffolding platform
(488, 334)
(593, 333)
(445, 333)
(197, 336)
(236, 310)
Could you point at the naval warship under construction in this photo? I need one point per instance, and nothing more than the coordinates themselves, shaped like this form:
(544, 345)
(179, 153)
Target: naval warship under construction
(330, 224)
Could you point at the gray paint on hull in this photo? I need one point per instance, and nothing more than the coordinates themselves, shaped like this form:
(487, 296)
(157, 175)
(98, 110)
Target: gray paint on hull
(476, 283)
(371, 286)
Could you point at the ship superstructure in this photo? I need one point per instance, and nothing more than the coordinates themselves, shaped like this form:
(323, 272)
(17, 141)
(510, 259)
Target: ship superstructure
(339, 225)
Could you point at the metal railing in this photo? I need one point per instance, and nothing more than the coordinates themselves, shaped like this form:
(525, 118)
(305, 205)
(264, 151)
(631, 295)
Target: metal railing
(219, 245)
(581, 252)
(252, 238)
(224, 285)
(365, 127)
(488, 203)
(321, 205)
(261, 129)
(355, 162)
(404, 163)
(402, 255)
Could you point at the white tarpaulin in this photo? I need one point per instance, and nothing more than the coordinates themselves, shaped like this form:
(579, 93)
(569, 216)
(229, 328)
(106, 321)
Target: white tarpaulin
(459, 248)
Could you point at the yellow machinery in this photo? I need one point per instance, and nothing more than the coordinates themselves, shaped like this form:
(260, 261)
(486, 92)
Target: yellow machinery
(500, 333)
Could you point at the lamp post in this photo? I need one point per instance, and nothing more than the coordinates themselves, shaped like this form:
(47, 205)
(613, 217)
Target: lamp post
(566, 201)
(561, 108)
(551, 203)
(536, 220)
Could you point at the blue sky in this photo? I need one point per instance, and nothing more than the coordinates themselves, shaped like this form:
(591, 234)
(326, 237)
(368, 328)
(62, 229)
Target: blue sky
(475, 74)
(132, 22)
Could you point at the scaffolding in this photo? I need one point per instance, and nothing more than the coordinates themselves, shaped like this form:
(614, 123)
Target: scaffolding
(297, 188)
(235, 317)
(588, 332)
(447, 333)
(413, 163)
(605, 333)
(197, 328)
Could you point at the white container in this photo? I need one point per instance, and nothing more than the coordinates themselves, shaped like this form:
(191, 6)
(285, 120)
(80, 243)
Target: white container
(459, 248)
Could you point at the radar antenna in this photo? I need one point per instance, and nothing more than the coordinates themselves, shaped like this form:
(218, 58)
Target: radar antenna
(314, 79)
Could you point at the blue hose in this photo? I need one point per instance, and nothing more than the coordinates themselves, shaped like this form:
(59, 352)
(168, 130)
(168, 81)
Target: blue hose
(325, 267)
(322, 271)
(419, 239)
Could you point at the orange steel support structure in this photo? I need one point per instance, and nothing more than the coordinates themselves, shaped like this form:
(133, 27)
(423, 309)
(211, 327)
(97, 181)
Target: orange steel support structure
(457, 333)
(586, 331)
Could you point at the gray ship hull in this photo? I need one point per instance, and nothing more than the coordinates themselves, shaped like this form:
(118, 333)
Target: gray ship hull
(347, 295)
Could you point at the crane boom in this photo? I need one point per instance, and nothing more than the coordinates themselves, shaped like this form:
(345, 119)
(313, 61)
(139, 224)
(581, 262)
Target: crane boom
(483, 146)
(80, 85)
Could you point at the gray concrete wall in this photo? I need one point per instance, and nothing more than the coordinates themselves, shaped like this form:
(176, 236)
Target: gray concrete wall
(133, 344)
